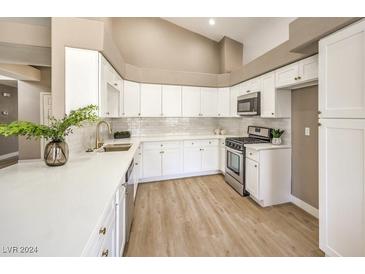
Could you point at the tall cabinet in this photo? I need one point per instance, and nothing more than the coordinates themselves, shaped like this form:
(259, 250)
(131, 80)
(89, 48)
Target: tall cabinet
(342, 142)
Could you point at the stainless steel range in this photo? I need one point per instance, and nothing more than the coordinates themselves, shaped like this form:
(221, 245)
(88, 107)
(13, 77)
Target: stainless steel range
(236, 155)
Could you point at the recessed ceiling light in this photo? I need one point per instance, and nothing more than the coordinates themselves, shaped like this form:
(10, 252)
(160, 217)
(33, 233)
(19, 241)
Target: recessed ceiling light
(211, 22)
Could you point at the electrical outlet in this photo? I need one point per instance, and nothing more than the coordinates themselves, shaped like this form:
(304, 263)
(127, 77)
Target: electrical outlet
(307, 131)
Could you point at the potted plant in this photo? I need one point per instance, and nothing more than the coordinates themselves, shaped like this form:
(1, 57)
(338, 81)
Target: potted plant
(56, 151)
(276, 136)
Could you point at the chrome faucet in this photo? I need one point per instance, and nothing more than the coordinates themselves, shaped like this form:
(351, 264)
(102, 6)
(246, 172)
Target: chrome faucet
(98, 141)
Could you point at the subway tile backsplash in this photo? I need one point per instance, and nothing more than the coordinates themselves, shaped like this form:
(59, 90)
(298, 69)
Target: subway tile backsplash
(84, 138)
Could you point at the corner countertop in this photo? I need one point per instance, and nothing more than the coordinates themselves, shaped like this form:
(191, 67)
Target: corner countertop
(266, 146)
(57, 208)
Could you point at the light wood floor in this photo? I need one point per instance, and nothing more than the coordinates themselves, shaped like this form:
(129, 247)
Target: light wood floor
(203, 216)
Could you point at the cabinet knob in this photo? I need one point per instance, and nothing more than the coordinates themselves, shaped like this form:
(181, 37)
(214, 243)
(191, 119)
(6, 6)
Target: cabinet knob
(319, 124)
(296, 78)
(299, 77)
(272, 113)
(250, 153)
(319, 112)
(107, 113)
(139, 114)
(136, 164)
(115, 84)
(105, 253)
(102, 231)
(255, 165)
(248, 91)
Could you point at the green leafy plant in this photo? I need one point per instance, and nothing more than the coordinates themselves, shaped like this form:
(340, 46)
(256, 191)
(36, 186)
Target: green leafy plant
(276, 133)
(58, 128)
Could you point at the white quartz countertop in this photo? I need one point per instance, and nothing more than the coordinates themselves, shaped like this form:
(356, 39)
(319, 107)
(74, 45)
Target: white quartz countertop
(57, 208)
(266, 146)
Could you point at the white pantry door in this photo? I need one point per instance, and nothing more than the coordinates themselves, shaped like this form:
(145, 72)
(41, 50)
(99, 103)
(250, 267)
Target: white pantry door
(341, 187)
(342, 73)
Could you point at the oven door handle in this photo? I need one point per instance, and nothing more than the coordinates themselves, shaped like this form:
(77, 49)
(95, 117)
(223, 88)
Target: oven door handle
(234, 151)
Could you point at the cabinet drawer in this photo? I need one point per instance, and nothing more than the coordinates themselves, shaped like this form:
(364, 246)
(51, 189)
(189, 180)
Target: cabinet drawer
(192, 143)
(252, 154)
(209, 143)
(159, 145)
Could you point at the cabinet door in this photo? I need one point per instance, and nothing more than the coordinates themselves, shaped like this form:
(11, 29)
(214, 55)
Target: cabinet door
(223, 102)
(209, 102)
(81, 78)
(151, 100)
(152, 163)
(242, 88)
(171, 161)
(192, 159)
(254, 85)
(341, 187)
(222, 159)
(171, 101)
(131, 99)
(191, 101)
(268, 96)
(210, 158)
(233, 99)
(252, 178)
(287, 75)
(308, 69)
(342, 73)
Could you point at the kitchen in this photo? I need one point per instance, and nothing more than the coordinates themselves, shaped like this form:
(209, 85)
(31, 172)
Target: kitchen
(177, 159)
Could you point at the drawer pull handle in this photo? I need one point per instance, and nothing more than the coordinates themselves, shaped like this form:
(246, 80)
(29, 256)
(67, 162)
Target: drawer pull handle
(105, 253)
(102, 231)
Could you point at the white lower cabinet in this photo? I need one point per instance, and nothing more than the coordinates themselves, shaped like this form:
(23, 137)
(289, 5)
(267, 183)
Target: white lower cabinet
(222, 155)
(173, 159)
(252, 178)
(192, 159)
(210, 158)
(152, 163)
(342, 187)
(161, 159)
(268, 175)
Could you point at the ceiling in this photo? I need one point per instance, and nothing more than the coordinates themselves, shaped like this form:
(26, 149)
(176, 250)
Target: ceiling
(237, 28)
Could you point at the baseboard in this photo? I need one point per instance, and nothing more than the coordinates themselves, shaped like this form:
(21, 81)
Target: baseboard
(303, 205)
(9, 155)
(179, 176)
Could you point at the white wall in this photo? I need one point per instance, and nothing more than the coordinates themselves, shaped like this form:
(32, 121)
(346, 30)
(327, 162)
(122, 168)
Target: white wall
(264, 38)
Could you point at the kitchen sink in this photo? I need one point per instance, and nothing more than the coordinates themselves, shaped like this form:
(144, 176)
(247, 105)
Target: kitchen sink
(116, 147)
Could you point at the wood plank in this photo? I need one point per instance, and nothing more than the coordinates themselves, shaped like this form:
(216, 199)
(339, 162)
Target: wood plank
(203, 216)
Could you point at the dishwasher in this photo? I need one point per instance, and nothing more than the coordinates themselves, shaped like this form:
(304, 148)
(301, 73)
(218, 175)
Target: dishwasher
(129, 196)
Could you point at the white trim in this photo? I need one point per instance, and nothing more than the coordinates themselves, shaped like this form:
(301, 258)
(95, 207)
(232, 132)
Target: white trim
(177, 176)
(9, 155)
(303, 205)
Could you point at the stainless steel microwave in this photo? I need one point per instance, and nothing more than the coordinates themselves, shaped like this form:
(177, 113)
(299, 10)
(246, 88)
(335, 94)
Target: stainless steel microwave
(248, 104)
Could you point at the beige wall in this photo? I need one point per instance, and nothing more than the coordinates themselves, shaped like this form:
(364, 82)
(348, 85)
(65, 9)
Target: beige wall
(73, 32)
(230, 55)
(29, 110)
(305, 148)
(159, 44)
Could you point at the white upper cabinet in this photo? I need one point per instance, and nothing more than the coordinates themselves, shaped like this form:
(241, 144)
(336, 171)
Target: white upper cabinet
(110, 90)
(151, 96)
(191, 101)
(223, 102)
(171, 101)
(342, 73)
(287, 75)
(209, 102)
(299, 73)
(81, 78)
(268, 96)
(241, 88)
(233, 100)
(274, 103)
(308, 69)
(254, 85)
(341, 187)
(131, 99)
